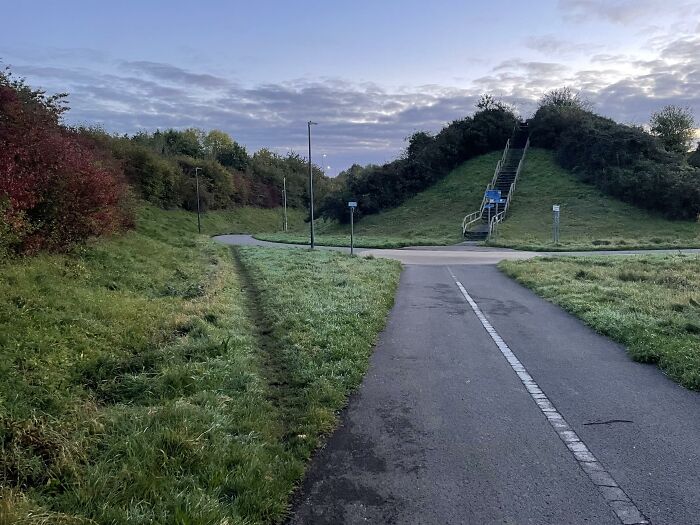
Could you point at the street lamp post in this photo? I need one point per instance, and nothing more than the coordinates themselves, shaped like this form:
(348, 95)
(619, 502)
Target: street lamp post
(284, 186)
(199, 220)
(311, 184)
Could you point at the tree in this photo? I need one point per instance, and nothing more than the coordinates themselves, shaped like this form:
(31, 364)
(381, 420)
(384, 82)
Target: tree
(564, 97)
(675, 127)
(488, 102)
(220, 146)
(185, 142)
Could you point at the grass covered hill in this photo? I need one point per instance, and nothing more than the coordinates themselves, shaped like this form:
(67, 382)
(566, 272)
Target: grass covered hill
(648, 170)
(426, 160)
(148, 378)
(590, 219)
(433, 217)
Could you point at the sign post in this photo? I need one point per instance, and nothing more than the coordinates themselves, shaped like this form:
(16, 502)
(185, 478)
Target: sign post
(555, 223)
(284, 185)
(352, 205)
(493, 199)
(196, 178)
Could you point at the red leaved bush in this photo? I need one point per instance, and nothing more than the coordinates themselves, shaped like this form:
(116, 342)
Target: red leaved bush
(56, 187)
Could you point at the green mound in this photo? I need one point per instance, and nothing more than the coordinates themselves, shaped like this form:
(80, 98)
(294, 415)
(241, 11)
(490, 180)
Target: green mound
(433, 217)
(590, 219)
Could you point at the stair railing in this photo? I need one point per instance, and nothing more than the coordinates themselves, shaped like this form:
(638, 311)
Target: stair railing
(501, 216)
(499, 165)
(475, 216)
(470, 219)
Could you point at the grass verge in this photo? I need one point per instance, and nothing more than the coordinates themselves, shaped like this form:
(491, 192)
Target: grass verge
(650, 304)
(431, 218)
(344, 240)
(320, 312)
(590, 220)
(134, 387)
(218, 222)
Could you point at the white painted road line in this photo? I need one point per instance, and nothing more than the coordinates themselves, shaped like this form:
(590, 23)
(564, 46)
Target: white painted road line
(620, 503)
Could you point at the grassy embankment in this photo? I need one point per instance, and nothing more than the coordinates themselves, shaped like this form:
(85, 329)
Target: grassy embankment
(433, 217)
(590, 220)
(150, 378)
(650, 304)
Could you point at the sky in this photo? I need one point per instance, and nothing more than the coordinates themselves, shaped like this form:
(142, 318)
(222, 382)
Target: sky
(369, 72)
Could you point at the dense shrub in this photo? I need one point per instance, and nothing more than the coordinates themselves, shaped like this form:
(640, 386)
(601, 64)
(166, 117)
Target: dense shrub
(623, 161)
(60, 185)
(215, 184)
(694, 157)
(156, 178)
(57, 187)
(426, 160)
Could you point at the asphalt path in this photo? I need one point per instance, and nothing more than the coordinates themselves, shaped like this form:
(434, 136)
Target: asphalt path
(444, 429)
(443, 255)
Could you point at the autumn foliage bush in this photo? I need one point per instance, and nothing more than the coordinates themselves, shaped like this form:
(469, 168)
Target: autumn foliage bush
(56, 186)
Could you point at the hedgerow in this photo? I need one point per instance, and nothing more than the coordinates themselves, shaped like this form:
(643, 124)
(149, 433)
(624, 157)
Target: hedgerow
(57, 187)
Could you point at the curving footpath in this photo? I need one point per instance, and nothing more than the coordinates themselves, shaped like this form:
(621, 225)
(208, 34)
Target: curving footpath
(486, 404)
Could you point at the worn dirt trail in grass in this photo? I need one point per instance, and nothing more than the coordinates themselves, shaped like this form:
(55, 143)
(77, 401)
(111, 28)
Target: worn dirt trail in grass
(443, 431)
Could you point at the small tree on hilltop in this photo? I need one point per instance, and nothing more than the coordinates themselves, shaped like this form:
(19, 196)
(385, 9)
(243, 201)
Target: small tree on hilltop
(488, 102)
(675, 127)
(564, 98)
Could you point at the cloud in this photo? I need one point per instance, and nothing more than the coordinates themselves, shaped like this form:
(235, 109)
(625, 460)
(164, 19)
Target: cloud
(175, 75)
(553, 45)
(617, 11)
(359, 122)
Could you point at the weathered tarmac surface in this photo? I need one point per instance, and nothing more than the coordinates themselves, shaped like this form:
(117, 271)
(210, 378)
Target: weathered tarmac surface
(443, 430)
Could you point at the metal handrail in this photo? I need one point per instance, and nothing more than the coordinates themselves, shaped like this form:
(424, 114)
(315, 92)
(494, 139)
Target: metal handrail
(505, 151)
(469, 220)
(501, 216)
(475, 216)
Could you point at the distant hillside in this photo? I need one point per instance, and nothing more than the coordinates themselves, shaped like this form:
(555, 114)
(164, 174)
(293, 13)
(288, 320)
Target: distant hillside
(589, 218)
(433, 217)
(426, 160)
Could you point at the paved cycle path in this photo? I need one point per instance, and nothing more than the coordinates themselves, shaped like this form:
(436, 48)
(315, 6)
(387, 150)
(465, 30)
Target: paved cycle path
(485, 404)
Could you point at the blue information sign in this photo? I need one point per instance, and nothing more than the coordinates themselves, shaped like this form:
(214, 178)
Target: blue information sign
(493, 196)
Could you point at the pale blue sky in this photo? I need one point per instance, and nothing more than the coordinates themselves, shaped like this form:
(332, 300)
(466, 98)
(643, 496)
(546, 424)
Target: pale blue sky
(369, 72)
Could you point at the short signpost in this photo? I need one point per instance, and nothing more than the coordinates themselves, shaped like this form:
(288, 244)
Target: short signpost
(555, 223)
(352, 205)
(493, 200)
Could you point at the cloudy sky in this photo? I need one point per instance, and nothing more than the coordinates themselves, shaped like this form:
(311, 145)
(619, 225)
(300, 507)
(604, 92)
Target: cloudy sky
(369, 72)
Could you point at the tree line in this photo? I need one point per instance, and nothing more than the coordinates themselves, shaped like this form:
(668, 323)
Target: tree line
(161, 165)
(650, 168)
(60, 185)
(426, 159)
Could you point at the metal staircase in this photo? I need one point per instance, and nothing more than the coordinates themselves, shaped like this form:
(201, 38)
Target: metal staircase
(483, 224)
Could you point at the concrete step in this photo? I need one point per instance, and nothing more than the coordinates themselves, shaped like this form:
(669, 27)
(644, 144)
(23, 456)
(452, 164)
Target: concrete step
(475, 236)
